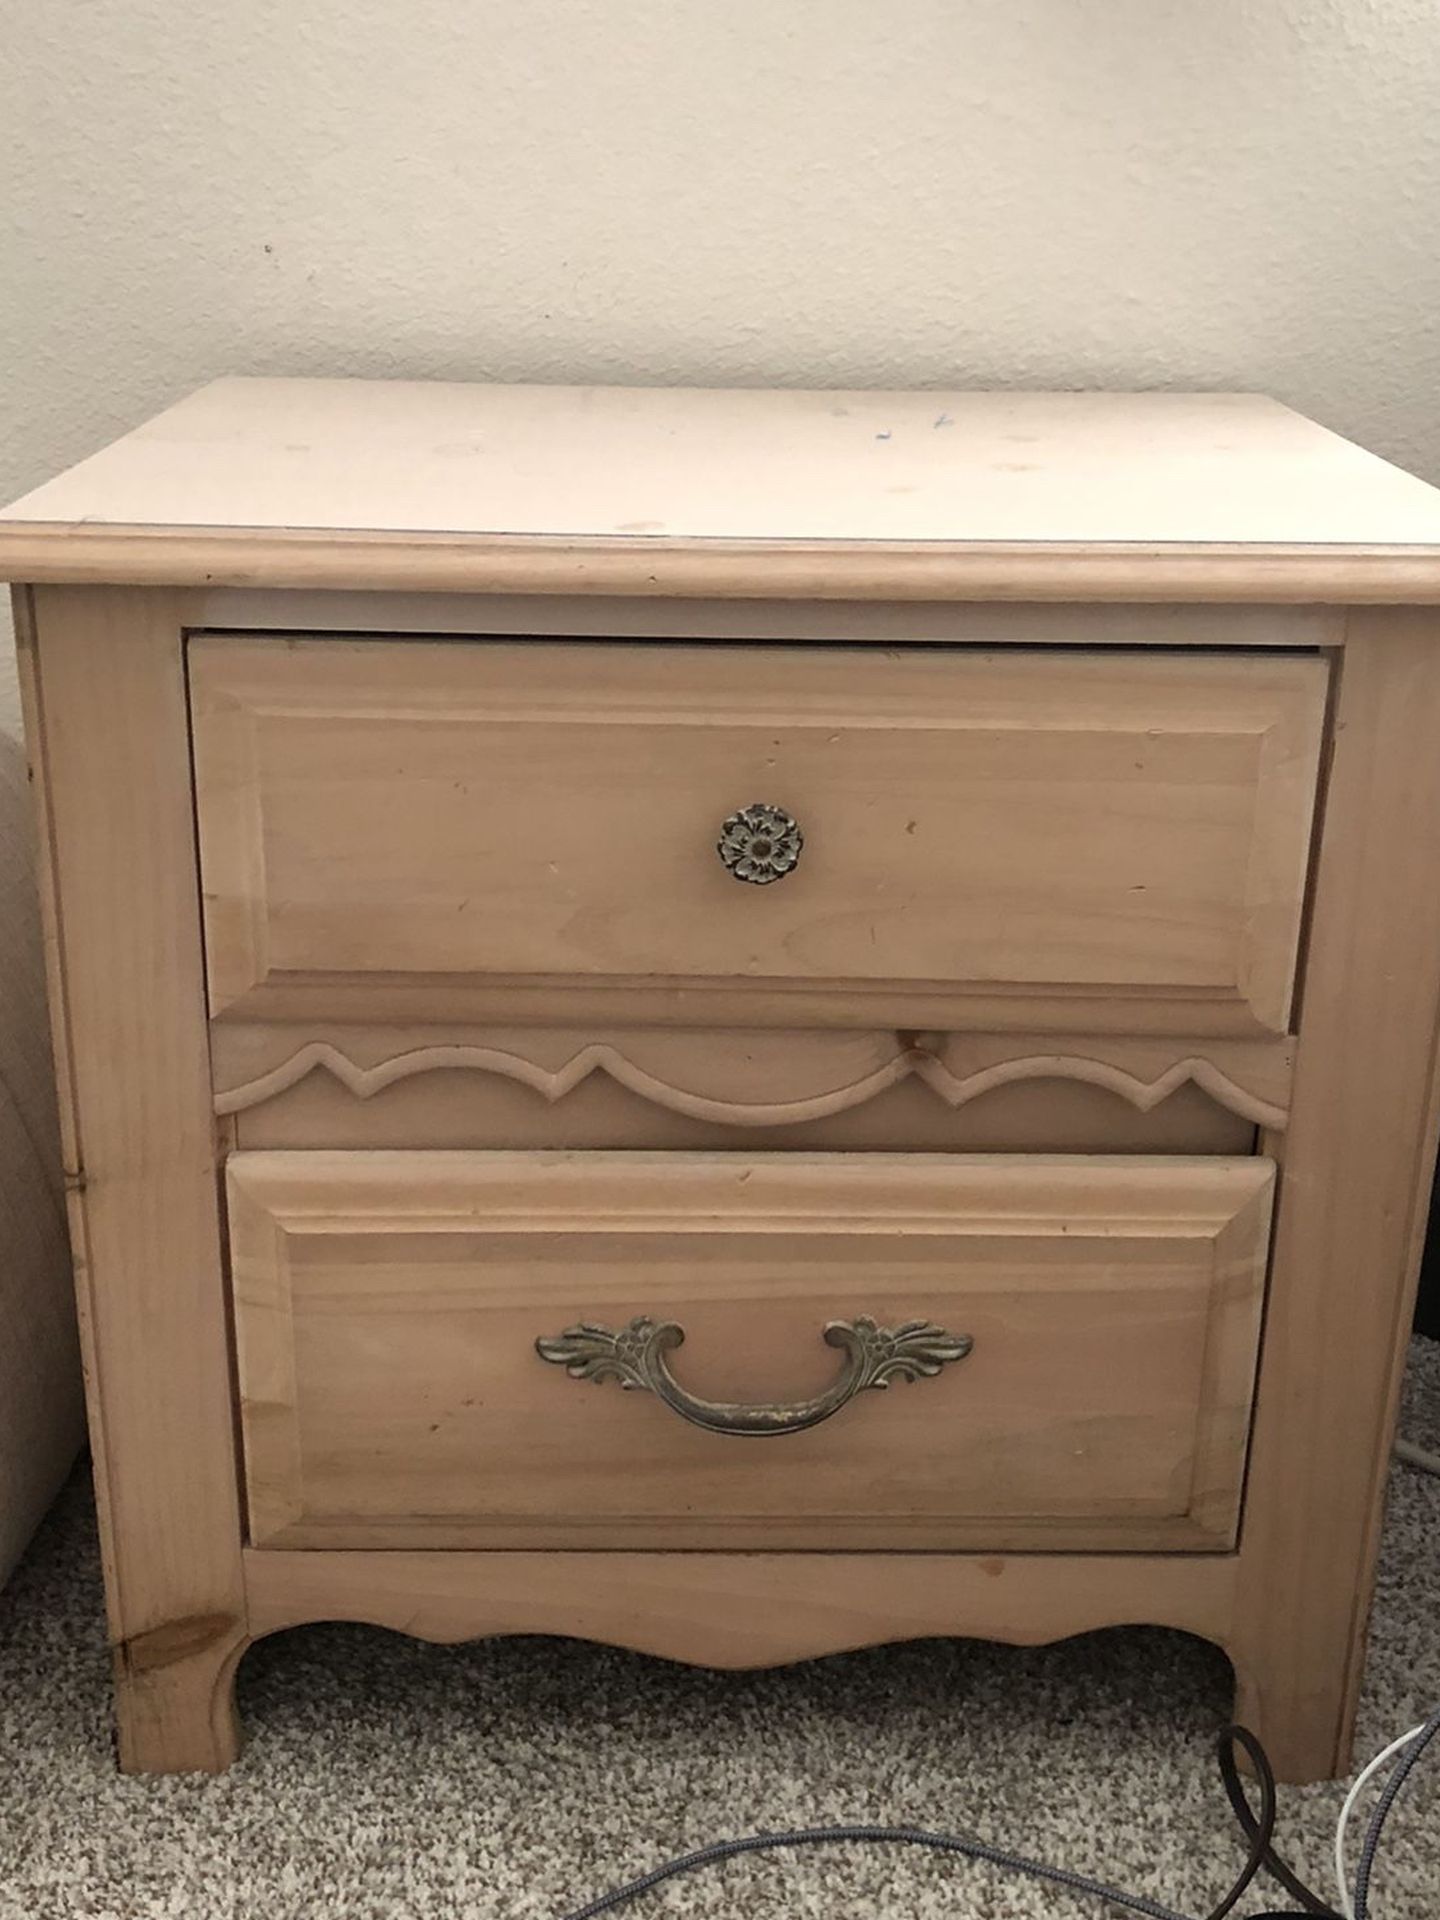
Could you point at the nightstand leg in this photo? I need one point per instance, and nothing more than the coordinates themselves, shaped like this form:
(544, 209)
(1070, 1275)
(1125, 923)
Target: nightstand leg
(1350, 1218)
(107, 725)
(1304, 1720)
(175, 1713)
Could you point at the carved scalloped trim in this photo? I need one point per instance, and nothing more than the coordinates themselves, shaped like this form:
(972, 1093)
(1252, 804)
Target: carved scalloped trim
(554, 1083)
(732, 1610)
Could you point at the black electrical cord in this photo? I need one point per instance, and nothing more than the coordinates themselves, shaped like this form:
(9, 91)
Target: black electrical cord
(1259, 1832)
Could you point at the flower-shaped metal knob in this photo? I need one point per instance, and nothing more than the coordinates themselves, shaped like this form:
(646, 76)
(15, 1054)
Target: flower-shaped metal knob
(760, 843)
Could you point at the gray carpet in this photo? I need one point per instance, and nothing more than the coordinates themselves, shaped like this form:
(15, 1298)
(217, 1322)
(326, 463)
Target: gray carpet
(388, 1780)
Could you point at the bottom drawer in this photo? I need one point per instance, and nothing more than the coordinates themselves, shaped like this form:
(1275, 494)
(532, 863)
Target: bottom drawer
(1067, 1348)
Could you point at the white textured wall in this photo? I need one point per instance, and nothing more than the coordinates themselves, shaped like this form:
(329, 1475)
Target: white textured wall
(1212, 193)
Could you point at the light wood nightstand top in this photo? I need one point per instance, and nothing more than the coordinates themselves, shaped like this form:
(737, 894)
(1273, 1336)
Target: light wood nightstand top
(808, 494)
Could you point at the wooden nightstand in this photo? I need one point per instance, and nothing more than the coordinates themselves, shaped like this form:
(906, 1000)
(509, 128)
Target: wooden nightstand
(897, 891)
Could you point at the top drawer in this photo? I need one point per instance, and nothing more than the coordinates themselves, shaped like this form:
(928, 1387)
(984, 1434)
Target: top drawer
(396, 829)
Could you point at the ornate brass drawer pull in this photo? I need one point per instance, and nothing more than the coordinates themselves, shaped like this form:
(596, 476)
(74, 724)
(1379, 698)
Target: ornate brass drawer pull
(635, 1356)
(760, 844)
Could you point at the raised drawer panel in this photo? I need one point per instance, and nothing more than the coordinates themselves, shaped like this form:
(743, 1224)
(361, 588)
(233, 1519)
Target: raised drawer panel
(480, 830)
(388, 1306)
